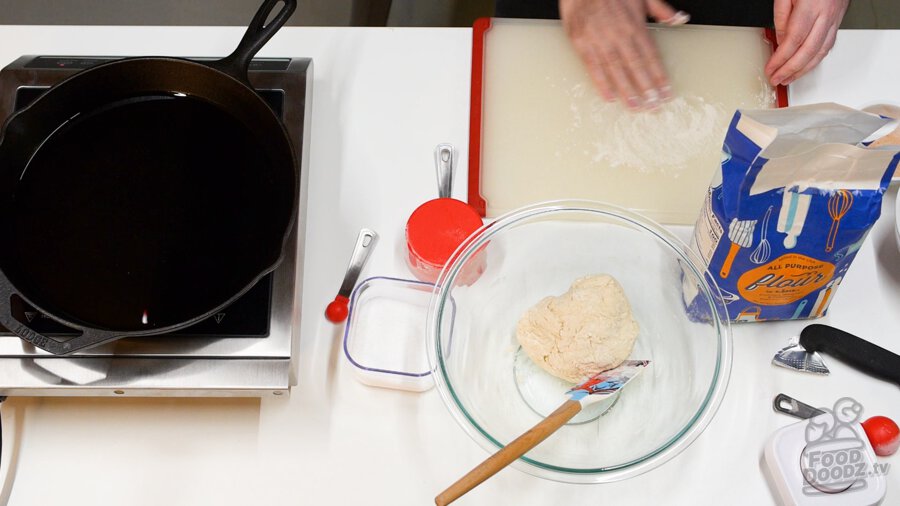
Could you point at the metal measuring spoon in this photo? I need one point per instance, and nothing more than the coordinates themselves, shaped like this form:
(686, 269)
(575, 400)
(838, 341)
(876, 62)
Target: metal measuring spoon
(337, 310)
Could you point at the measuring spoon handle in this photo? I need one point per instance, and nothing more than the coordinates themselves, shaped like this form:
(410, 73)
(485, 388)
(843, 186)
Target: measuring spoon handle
(790, 406)
(443, 164)
(365, 242)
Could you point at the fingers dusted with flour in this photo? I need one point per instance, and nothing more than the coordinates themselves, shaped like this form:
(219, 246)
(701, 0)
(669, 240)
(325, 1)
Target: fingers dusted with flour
(612, 39)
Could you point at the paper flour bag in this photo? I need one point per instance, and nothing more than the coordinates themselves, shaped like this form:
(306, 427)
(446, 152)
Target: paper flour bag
(798, 190)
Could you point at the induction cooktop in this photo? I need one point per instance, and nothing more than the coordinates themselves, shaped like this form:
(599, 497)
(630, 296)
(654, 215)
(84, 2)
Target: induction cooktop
(244, 350)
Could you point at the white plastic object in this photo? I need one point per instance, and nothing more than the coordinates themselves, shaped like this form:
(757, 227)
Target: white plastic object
(784, 455)
(384, 338)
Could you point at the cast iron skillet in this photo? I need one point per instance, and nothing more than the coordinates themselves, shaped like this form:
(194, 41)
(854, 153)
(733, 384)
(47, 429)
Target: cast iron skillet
(144, 195)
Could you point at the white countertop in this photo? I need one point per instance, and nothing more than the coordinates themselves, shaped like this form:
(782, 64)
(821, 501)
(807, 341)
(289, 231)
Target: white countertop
(382, 99)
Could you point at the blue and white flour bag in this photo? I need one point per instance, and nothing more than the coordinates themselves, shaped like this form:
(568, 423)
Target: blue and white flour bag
(797, 192)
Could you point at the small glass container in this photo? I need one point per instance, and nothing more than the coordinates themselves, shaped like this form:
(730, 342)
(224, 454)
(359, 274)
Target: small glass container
(385, 336)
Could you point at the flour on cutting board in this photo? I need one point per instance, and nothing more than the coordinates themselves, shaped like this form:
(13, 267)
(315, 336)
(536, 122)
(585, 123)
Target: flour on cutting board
(663, 141)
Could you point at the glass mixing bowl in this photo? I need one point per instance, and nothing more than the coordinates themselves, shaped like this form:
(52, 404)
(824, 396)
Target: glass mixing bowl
(495, 393)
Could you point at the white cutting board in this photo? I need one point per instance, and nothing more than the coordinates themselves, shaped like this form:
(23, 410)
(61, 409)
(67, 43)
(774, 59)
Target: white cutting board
(547, 135)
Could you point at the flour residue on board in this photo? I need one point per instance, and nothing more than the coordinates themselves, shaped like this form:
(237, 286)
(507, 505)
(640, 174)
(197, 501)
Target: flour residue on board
(665, 141)
(765, 97)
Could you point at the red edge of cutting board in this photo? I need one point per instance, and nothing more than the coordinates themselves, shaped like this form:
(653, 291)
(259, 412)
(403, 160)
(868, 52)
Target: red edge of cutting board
(781, 94)
(479, 29)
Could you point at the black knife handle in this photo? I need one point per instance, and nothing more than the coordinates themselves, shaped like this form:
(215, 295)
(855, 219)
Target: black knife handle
(857, 352)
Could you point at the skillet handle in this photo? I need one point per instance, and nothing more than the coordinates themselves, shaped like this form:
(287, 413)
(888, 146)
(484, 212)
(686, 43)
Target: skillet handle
(258, 33)
(88, 337)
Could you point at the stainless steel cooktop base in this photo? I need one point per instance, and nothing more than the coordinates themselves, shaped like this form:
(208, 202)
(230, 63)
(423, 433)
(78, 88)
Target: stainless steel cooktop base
(116, 377)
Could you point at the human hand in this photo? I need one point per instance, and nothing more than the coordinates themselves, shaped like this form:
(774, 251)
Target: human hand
(612, 40)
(805, 30)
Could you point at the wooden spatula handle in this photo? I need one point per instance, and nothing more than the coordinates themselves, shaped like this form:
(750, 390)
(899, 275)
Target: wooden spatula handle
(509, 453)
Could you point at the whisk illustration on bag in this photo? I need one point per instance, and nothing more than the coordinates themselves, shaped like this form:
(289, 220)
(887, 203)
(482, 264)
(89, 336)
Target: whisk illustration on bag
(762, 252)
(838, 205)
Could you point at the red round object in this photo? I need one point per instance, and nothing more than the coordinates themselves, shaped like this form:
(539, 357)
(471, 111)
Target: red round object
(337, 310)
(434, 231)
(884, 435)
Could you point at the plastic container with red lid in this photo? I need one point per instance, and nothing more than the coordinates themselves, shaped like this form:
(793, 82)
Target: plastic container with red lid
(437, 228)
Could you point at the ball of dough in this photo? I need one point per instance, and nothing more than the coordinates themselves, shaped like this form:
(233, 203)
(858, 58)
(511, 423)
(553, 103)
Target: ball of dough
(584, 331)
